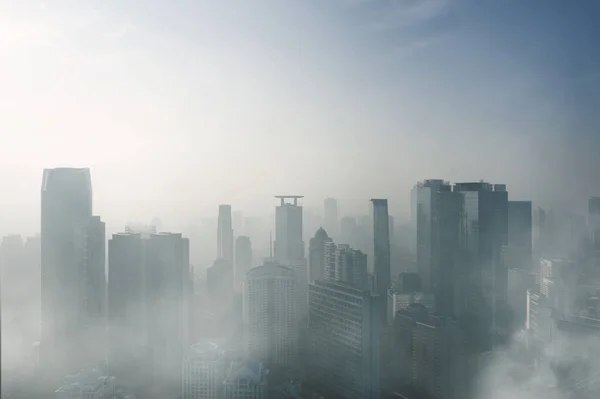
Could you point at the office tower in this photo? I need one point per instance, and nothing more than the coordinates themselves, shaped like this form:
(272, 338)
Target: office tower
(270, 320)
(204, 368)
(225, 234)
(167, 306)
(437, 220)
(247, 380)
(485, 234)
(219, 283)
(66, 210)
(316, 255)
(127, 318)
(330, 221)
(243, 260)
(94, 264)
(351, 267)
(430, 354)
(349, 231)
(519, 281)
(520, 240)
(289, 247)
(344, 328)
(381, 251)
(330, 261)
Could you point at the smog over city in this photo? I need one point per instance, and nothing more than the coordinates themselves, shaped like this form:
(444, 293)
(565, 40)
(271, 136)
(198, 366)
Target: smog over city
(299, 199)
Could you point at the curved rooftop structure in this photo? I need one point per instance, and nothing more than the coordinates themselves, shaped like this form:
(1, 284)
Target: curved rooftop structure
(206, 350)
(321, 234)
(270, 269)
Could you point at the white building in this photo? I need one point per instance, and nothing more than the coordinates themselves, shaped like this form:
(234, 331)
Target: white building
(204, 367)
(270, 317)
(246, 380)
(87, 385)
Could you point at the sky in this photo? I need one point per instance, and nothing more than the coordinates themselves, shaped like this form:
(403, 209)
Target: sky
(179, 106)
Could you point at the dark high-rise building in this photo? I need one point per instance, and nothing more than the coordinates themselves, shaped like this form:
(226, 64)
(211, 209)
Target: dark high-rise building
(243, 260)
(520, 240)
(485, 236)
(430, 356)
(127, 319)
(344, 328)
(289, 246)
(331, 222)
(381, 251)
(225, 234)
(438, 215)
(66, 211)
(316, 255)
(167, 284)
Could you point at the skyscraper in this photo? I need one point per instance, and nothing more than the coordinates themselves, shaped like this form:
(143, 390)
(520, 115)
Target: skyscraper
(246, 380)
(381, 251)
(289, 246)
(594, 221)
(344, 328)
(485, 235)
(438, 216)
(225, 234)
(167, 284)
(316, 255)
(520, 235)
(270, 320)
(66, 211)
(243, 260)
(331, 222)
(127, 318)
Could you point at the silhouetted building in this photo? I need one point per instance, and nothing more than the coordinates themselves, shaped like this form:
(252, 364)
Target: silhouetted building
(349, 232)
(381, 252)
(594, 221)
(485, 235)
(316, 255)
(243, 260)
(66, 211)
(520, 235)
(225, 234)
(430, 355)
(270, 314)
(167, 306)
(344, 326)
(331, 221)
(438, 214)
(347, 265)
(127, 320)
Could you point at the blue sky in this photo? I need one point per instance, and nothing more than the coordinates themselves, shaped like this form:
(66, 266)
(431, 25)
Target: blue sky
(203, 102)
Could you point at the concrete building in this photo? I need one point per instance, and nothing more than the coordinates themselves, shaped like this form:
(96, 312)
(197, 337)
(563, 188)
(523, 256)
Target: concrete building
(127, 320)
(344, 328)
(247, 380)
(225, 234)
(87, 385)
(398, 301)
(520, 235)
(437, 213)
(270, 314)
(381, 252)
(204, 367)
(243, 260)
(435, 349)
(66, 215)
(316, 255)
